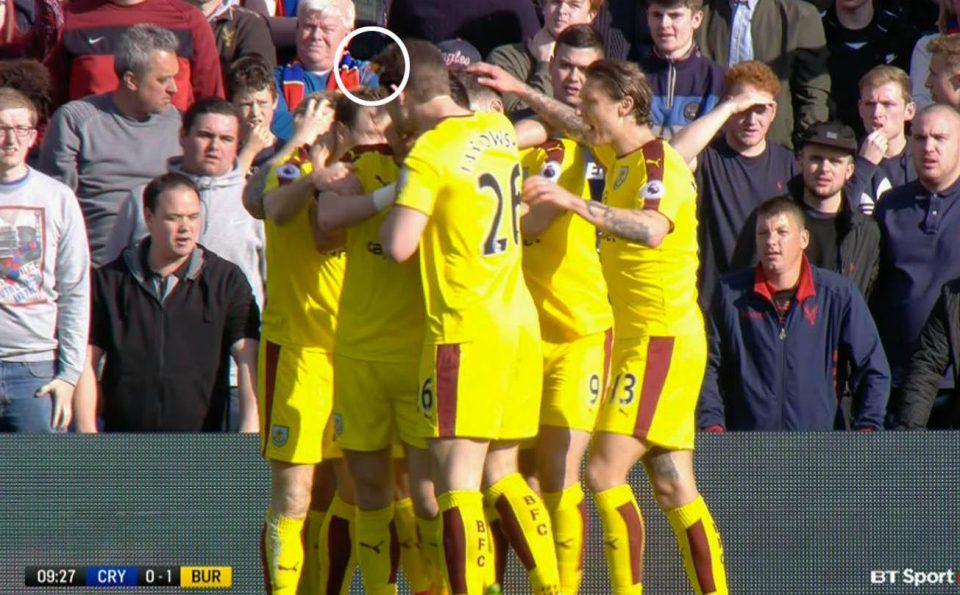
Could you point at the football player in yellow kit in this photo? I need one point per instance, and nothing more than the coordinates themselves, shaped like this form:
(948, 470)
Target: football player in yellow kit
(649, 256)
(296, 355)
(376, 362)
(457, 207)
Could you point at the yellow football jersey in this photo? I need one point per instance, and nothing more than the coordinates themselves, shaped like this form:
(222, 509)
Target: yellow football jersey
(561, 266)
(465, 174)
(381, 306)
(303, 293)
(653, 291)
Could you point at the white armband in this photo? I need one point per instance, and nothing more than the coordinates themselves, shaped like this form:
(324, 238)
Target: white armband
(384, 197)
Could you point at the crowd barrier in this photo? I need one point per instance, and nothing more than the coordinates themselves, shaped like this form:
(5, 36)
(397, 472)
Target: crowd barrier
(799, 514)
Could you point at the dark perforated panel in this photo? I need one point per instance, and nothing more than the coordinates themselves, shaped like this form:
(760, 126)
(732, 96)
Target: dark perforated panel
(799, 514)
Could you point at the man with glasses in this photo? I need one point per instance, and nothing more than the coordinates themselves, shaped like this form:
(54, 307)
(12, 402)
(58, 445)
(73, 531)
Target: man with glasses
(44, 282)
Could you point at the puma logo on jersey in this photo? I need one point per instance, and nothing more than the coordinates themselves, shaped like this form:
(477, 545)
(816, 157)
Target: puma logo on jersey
(658, 163)
(376, 547)
(565, 544)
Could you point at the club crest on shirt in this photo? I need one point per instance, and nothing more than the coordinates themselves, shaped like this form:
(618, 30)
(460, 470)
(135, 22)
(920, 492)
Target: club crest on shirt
(279, 435)
(621, 177)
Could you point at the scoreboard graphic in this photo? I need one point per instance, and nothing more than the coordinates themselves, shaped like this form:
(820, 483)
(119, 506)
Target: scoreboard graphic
(185, 577)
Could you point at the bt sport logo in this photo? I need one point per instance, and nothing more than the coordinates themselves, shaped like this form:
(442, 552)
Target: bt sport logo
(915, 578)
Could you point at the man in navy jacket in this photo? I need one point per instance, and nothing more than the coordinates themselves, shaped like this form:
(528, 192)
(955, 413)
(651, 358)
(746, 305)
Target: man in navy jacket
(782, 335)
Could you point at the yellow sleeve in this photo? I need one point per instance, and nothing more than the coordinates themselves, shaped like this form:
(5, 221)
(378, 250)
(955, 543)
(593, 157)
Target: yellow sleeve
(419, 181)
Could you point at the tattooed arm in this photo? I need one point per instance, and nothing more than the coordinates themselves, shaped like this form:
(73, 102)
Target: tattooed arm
(642, 226)
(559, 116)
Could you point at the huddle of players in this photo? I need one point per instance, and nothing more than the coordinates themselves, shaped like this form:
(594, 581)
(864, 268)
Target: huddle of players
(456, 305)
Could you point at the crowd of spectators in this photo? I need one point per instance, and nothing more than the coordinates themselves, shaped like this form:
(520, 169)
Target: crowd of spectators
(133, 277)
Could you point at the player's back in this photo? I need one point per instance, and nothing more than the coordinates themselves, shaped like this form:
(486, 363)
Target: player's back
(465, 174)
(381, 306)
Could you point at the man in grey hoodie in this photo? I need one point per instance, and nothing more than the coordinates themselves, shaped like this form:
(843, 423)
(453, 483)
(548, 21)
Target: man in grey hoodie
(44, 282)
(209, 139)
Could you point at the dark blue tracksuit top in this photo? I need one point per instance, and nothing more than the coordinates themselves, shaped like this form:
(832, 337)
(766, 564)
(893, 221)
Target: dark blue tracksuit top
(768, 374)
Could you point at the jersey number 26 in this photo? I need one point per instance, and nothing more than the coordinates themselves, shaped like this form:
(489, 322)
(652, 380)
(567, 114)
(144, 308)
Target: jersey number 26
(494, 244)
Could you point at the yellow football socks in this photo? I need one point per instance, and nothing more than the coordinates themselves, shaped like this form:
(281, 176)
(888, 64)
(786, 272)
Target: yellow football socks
(412, 559)
(378, 550)
(431, 545)
(310, 577)
(465, 541)
(622, 538)
(700, 547)
(282, 548)
(338, 558)
(526, 523)
(569, 530)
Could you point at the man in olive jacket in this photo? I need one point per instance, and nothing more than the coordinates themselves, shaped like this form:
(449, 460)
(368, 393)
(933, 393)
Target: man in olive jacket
(788, 36)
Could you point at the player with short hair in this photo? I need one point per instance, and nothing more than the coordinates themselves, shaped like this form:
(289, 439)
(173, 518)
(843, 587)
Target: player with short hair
(562, 270)
(296, 356)
(648, 250)
(379, 336)
(458, 204)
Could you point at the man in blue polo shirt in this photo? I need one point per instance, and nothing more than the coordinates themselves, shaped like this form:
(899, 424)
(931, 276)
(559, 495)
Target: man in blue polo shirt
(919, 227)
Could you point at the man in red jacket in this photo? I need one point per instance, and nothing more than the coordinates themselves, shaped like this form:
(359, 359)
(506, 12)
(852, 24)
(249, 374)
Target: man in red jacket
(83, 61)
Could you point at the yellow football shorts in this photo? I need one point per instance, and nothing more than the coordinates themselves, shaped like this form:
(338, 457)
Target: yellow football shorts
(467, 390)
(575, 378)
(654, 388)
(374, 403)
(295, 396)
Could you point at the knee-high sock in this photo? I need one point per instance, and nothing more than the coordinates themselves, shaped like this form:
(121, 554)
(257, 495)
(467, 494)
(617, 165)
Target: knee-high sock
(378, 550)
(412, 559)
(310, 577)
(281, 548)
(526, 523)
(700, 547)
(569, 533)
(497, 564)
(431, 543)
(465, 541)
(622, 538)
(338, 556)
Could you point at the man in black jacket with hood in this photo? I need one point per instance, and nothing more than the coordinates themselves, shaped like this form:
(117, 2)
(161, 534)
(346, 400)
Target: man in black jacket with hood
(937, 348)
(842, 239)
